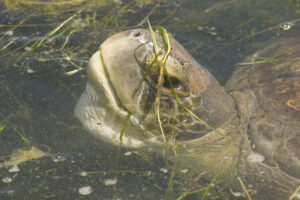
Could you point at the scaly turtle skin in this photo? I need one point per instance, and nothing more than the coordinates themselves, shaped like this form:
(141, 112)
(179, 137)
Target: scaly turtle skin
(259, 110)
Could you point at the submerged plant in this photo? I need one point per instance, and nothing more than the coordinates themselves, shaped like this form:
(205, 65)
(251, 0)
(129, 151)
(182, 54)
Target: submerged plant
(163, 72)
(260, 60)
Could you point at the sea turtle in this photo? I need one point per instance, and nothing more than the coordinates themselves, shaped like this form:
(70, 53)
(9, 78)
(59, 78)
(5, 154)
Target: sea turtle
(256, 115)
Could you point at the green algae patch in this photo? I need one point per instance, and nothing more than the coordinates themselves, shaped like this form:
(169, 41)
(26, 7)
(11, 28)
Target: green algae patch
(23, 155)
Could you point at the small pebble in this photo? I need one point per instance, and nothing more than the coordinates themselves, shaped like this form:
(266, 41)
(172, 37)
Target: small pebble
(184, 171)
(286, 26)
(112, 181)
(83, 173)
(9, 33)
(200, 28)
(255, 157)
(190, 150)
(30, 71)
(128, 153)
(59, 159)
(118, 1)
(85, 190)
(236, 194)
(164, 170)
(7, 180)
(14, 168)
(147, 173)
(67, 58)
(28, 48)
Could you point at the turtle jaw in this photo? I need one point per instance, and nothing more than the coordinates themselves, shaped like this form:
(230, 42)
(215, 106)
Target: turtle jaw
(99, 80)
(120, 55)
(107, 100)
(99, 111)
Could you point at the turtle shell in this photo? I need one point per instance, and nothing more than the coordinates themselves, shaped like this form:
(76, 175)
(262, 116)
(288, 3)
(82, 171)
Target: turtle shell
(273, 87)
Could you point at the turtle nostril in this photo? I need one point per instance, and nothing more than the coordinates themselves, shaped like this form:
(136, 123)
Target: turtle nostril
(137, 34)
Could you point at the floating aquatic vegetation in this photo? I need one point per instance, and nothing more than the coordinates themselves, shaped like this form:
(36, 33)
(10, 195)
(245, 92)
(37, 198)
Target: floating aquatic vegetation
(15, 129)
(295, 193)
(69, 21)
(52, 5)
(62, 42)
(23, 155)
(244, 188)
(2, 126)
(203, 189)
(161, 64)
(163, 72)
(260, 60)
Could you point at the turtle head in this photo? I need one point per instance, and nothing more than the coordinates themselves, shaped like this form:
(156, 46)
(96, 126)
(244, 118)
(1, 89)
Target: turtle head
(124, 74)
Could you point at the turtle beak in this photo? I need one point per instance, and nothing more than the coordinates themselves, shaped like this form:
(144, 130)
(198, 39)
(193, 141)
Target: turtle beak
(120, 55)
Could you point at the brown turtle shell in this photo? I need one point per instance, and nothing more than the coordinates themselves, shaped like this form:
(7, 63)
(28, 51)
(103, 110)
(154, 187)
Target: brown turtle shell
(274, 90)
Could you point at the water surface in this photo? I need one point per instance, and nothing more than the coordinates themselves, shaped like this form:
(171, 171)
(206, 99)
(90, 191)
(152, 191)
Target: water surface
(41, 42)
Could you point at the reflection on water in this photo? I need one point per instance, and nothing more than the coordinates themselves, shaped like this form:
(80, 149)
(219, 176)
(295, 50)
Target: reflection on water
(44, 50)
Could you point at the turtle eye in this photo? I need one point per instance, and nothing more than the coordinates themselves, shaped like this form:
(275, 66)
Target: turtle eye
(175, 82)
(137, 34)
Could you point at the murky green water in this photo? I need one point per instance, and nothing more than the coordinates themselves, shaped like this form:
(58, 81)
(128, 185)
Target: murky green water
(40, 42)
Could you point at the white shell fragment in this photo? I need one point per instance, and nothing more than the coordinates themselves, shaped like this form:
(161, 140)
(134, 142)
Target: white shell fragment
(235, 194)
(164, 170)
(112, 181)
(255, 157)
(30, 71)
(59, 159)
(7, 180)
(184, 171)
(9, 33)
(84, 173)
(14, 168)
(85, 190)
(27, 48)
(128, 153)
(286, 26)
